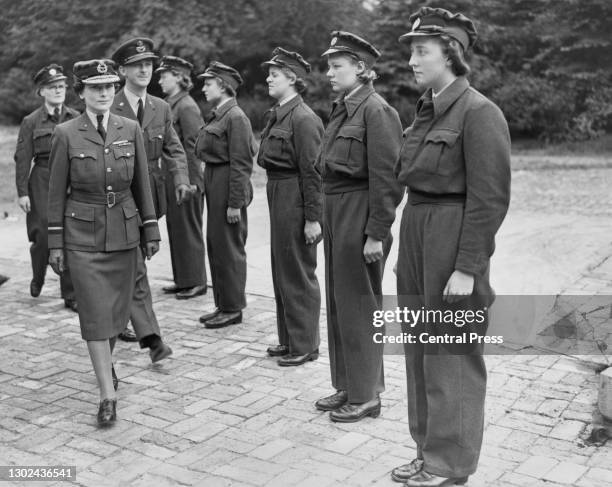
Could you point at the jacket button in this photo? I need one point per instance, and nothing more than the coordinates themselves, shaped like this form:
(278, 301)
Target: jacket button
(81, 155)
(71, 214)
(109, 188)
(109, 169)
(106, 151)
(128, 154)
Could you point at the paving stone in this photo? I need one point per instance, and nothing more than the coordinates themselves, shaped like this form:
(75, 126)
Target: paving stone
(566, 473)
(537, 466)
(567, 430)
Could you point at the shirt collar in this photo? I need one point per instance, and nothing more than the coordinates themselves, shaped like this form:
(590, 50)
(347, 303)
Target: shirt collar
(223, 107)
(436, 95)
(176, 97)
(449, 95)
(132, 99)
(49, 111)
(288, 105)
(287, 99)
(94, 118)
(357, 97)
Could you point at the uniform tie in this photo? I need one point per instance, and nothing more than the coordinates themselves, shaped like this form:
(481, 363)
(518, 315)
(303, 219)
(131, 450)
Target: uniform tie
(101, 130)
(140, 112)
(271, 120)
(55, 118)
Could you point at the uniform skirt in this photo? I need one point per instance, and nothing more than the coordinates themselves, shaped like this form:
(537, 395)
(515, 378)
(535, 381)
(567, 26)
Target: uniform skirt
(104, 286)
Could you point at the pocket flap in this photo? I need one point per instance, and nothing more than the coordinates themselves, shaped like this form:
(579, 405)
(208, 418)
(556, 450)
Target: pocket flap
(37, 133)
(126, 150)
(211, 129)
(130, 211)
(82, 153)
(444, 136)
(352, 132)
(85, 213)
(280, 133)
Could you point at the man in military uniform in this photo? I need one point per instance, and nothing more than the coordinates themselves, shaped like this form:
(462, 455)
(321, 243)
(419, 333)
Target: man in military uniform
(34, 145)
(135, 59)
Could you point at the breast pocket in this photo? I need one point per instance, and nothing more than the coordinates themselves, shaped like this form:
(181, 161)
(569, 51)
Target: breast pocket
(214, 141)
(42, 141)
(154, 140)
(79, 225)
(278, 144)
(132, 223)
(438, 152)
(83, 165)
(124, 157)
(349, 148)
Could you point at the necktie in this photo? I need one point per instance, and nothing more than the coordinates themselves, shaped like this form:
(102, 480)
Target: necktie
(271, 120)
(140, 112)
(101, 130)
(55, 118)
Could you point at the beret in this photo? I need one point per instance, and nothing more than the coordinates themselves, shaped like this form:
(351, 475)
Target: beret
(346, 42)
(428, 21)
(289, 59)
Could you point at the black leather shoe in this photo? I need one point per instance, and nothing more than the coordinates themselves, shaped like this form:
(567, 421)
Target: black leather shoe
(209, 316)
(425, 479)
(107, 413)
(330, 403)
(115, 378)
(293, 360)
(159, 352)
(35, 289)
(128, 335)
(351, 413)
(71, 304)
(224, 319)
(173, 289)
(191, 292)
(278, 351)
(404, 472)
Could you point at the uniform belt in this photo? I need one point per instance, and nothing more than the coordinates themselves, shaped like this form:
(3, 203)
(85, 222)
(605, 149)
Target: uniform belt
(419, 198)
(109, 199)
(282, 173)
(41, 162)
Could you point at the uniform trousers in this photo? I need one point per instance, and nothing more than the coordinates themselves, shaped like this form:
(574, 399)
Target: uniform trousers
(225, 241)
(353, 292)
(446, 386)
(36, 224)
(187, 250)
(296, 287)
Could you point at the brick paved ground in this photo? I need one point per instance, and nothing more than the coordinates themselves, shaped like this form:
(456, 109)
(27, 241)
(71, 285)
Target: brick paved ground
(220, 413)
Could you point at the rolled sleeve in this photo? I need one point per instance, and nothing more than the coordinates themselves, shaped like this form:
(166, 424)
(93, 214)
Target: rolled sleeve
(486, 148)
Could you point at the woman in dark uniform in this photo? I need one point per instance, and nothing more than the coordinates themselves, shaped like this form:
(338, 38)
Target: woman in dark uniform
(94, 230)
(360, 147)
(184, 220)
(290, 143)
(226, 146)
(455, 161)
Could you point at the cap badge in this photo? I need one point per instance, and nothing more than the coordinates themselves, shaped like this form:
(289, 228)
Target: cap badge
(140, 47)
(52, 72)
(334, 41)
(102, 68)
(416, 23)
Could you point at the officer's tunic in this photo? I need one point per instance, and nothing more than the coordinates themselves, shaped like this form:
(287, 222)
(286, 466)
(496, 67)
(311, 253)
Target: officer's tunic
(184, 222)
(34, 144)
(360, 147)
(455, 161)
(226, 146)
(288, 151)
(98, 223)
(160, 142)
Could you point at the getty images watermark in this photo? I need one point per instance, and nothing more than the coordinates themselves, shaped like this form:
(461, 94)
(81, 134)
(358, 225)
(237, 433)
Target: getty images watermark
(505, 324)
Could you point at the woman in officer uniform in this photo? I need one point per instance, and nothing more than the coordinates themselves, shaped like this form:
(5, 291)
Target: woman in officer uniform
(184, 220)
(34, 145)
(226, 146)
(94, 230)
(360, 147)
(455, 161)
(289, 146)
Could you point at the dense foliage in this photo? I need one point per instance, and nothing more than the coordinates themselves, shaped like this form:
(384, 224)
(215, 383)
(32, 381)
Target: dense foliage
(547, 63)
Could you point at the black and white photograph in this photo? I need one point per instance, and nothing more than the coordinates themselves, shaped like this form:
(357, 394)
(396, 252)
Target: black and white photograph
(306, 243)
